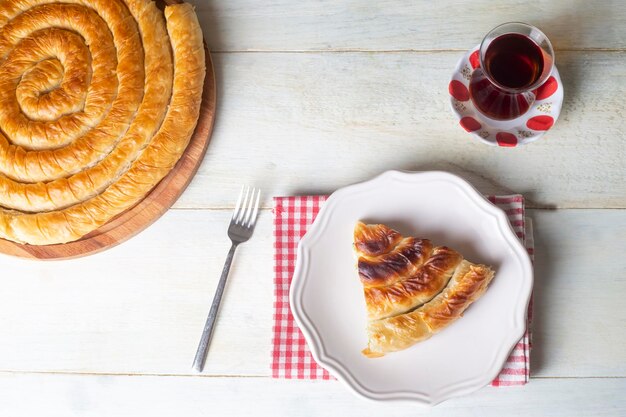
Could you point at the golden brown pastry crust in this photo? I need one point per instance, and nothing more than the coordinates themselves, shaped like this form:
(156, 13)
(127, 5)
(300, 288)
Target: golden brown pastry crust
(87, 140)
(414, 289)
(399, 273)
(404, 312)
(399, 332)
(374, 239)
(384, 256)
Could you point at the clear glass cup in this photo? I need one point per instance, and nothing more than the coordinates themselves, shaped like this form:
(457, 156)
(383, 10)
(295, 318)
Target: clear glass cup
(515, 60)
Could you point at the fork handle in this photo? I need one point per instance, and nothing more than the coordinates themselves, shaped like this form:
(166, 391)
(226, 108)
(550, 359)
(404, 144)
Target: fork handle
(207, 333)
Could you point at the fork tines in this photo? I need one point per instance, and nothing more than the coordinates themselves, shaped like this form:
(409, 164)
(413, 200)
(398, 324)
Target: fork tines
(247, 206)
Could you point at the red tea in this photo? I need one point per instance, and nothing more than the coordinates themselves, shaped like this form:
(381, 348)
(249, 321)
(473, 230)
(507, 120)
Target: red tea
(514, 62)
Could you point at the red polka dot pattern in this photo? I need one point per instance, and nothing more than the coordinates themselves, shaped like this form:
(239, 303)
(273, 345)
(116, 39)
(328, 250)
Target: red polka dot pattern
(458, 90)
(547, 89)
(474, 60)
(506, 139)
(469, 124)
(540, 123)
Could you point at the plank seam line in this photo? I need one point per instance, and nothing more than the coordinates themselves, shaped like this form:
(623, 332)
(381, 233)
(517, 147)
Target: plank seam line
(407, 50)
(266, 208)
(79, 373)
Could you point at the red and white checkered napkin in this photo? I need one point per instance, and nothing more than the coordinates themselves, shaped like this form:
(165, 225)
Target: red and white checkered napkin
(291, 357)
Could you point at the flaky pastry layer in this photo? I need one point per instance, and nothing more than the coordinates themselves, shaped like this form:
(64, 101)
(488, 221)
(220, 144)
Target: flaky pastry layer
(425, 295)
(100, 99)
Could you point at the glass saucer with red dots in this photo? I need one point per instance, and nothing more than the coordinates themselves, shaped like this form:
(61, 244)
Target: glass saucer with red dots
(519, 131)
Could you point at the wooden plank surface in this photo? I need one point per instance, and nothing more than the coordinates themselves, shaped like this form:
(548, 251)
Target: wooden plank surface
(73, 395)
(313, 122)
(139, 308)
(237, 25)
(580, 281)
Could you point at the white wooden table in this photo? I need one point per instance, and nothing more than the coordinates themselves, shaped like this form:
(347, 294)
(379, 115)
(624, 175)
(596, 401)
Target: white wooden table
(315, 95)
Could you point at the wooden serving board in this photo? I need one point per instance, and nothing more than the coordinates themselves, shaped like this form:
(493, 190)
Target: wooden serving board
(153, 206)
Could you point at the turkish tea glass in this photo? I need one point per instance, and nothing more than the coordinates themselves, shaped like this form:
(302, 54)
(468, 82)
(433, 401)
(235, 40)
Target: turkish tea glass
(515, 60)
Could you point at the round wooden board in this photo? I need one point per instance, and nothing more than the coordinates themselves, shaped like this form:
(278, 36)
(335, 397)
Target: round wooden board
(153, 206)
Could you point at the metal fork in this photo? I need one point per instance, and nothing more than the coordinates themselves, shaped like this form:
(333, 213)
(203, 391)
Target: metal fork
(241, 227)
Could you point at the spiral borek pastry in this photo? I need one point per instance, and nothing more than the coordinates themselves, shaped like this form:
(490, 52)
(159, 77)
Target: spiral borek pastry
(98, 101)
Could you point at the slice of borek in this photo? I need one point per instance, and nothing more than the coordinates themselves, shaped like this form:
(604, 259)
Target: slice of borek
(412, 288)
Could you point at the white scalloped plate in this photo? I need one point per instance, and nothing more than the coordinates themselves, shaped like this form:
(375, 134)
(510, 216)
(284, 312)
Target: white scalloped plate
(326, 296)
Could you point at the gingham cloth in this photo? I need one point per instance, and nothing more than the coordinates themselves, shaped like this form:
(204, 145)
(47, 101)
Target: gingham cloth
(291, 357)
